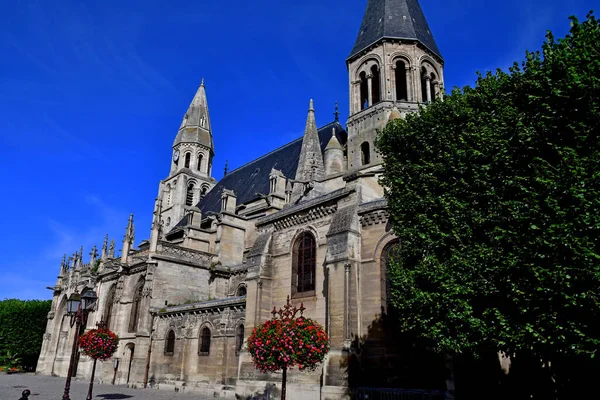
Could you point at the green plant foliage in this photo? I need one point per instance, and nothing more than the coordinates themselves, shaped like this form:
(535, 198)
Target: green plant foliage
(22, 327)
(495, 196)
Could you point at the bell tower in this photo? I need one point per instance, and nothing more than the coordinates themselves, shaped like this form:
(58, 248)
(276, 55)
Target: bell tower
(395, 65)
(190, 176)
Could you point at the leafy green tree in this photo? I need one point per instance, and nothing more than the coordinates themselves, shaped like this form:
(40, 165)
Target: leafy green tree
(495, 196)
(22, 327)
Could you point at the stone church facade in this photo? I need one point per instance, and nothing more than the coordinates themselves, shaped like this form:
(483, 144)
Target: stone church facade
(308, 220)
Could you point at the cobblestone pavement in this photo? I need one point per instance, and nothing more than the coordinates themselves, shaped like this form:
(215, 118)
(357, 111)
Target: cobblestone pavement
(52, 388)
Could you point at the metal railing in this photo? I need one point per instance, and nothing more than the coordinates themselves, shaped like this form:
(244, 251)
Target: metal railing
(366, 393)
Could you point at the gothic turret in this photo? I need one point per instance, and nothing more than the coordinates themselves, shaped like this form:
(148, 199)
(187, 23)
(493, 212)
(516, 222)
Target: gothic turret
(394, 62)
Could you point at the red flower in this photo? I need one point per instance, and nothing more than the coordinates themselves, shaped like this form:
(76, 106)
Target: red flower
(99, 344)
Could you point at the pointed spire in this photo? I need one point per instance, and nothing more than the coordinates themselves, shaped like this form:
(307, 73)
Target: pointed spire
(104, 251)
(129, 231)
(336, 114)
(395, 114)
(226, 169)
(93, 255)
(334, 143)
(128, 239)
(63, 264)
(195, 127)
(111, 249)
(156, 226)
(310, 164)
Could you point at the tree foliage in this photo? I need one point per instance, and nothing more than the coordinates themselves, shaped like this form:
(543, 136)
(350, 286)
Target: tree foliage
(22, 327)
(495, 196)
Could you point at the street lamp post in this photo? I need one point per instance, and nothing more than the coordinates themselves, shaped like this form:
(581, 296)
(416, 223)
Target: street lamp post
(77, 306)
(100, 325)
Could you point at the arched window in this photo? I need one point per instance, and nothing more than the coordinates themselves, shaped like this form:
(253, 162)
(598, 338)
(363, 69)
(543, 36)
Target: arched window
(199, 167)
(203, 192)
(365, 153)
(108, 305)
(401, 82)
(135, 306)
(389, 253)
(204, 342)
(364, 91)
(304, 264)
(241, 291)
(189, 197)
(432, 86)
(170, 343)
(168, 222)
(187, 160)
(239, 339)
(375, 84)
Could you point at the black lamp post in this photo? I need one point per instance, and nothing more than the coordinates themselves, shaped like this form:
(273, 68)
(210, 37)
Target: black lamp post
(77, 307)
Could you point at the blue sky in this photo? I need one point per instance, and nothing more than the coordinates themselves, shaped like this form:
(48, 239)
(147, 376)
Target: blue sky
(92, 94)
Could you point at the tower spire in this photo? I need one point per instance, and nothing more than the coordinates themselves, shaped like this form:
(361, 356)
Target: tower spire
(310, 164)
(336, 114)
(195, 127)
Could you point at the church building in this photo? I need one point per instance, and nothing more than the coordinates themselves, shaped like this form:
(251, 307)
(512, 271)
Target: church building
(308, 220)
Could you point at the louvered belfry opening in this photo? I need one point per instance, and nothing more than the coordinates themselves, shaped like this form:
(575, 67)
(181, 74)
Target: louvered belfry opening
(189, 197)
(304, 263)
(401, 83)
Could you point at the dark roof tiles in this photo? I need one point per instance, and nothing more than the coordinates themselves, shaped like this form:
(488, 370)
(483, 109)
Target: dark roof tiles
(394, 19)
(253, 177)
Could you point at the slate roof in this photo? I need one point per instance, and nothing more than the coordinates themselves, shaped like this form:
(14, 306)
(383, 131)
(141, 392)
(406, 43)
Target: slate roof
(253, 177)
(386, 19)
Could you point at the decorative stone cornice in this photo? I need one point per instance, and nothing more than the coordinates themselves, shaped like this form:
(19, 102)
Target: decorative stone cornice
(294, 212)
(209, 306)
(305, 217)
(177, 251)
(374, 218)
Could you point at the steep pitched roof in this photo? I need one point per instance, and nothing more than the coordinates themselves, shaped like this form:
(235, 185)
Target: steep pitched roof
(394, 19)
(253, 177)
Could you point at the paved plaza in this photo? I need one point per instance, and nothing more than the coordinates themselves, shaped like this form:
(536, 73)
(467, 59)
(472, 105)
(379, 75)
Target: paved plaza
(51, 388)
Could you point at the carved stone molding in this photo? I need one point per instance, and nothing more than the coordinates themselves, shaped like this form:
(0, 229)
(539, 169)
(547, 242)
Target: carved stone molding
(305, 217)
(374, 218)
(186, 253)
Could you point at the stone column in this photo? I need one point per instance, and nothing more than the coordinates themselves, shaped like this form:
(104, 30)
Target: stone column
(409, 89)
(428, 88)
(369, 90)
(393, 83)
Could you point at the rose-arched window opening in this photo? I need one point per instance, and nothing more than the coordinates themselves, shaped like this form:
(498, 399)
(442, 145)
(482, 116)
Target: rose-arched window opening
(304, 263)
(170, 343)
(204, 342)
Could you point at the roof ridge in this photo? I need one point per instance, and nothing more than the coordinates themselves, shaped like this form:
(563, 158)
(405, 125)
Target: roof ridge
(277, 149)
